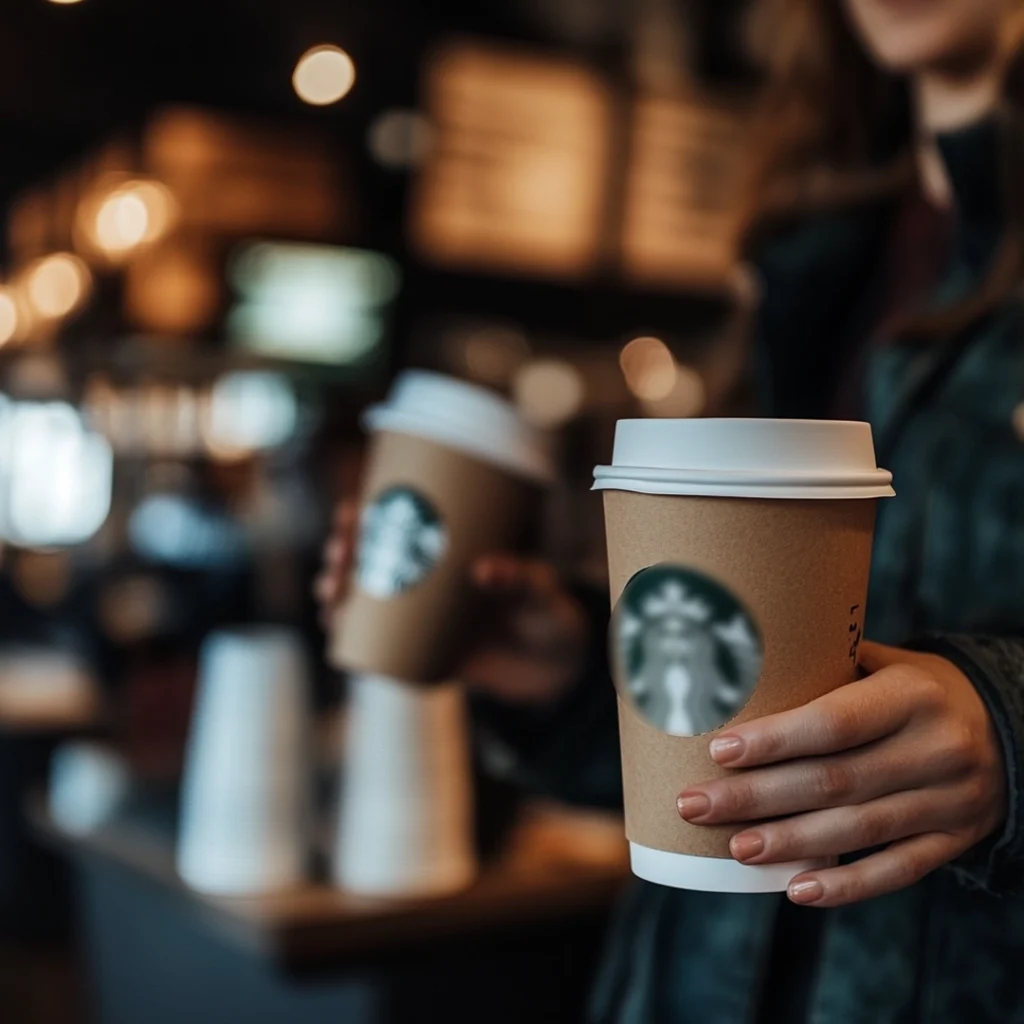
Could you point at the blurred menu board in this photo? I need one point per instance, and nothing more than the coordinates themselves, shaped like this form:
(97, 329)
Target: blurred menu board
(233, 177)
(517, 177)
(682, 190)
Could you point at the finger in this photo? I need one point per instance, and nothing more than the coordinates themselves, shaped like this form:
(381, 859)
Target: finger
(842, 830)
(848, 717)
(872, 657)
(811, 784)
(898, 866)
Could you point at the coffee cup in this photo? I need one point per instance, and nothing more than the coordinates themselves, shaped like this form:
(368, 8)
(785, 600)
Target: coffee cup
(738, 554)
(453, 473)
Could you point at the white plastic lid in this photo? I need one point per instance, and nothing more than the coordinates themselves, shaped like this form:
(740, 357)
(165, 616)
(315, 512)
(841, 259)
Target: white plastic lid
(745, 458)
(466, 417)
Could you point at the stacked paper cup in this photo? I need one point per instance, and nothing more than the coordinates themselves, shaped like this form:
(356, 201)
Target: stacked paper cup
(453, 474)
(406, 822)
(244, 812)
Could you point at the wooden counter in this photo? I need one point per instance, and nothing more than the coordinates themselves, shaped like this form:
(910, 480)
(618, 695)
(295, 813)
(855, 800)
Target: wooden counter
(557, 863)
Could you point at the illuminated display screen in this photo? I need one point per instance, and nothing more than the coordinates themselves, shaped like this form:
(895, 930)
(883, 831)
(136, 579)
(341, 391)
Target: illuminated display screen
(311, 303)
(55, 475)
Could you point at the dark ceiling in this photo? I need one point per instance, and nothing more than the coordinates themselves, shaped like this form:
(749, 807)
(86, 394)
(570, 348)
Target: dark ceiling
(71, 74)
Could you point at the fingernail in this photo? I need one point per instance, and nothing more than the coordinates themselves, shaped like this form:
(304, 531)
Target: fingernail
(806, 892)
(746, 845)
(693, 805)
(726, 749)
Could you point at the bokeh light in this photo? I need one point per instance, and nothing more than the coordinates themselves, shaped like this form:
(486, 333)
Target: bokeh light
(687, 398)
(549, 392)
(57, 284)
(492, 354)
(249, 411)
(55, 475)
(8, 316)
(120, 219)
(649, 368)
(323, 75)
(173, 289)
(121, 222)
(400, 139)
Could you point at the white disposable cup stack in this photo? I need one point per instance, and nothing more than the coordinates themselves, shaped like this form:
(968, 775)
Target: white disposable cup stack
(245, 799)
(405, 821)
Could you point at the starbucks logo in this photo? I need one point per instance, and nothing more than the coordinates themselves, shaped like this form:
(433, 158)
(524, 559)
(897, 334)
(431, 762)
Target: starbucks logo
(687, 654)
(401, 539)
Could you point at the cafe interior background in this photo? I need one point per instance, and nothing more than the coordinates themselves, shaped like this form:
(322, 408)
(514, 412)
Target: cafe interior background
(226, 226)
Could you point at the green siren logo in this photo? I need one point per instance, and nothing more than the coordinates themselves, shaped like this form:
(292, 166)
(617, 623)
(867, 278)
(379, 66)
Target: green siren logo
(687, 654)
(401, 539)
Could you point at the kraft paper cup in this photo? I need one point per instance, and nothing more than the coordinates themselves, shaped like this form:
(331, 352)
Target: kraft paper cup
(405, 822)
(245, 798)
(739, 553)
(453, 474)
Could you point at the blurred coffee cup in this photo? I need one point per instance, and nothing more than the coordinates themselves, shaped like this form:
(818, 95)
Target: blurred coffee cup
(453, 474)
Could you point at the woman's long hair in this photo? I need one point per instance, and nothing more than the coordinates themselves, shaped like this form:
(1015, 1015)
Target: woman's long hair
(835, 129)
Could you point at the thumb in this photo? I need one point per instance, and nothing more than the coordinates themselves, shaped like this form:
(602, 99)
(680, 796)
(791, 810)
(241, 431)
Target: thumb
(872, 657)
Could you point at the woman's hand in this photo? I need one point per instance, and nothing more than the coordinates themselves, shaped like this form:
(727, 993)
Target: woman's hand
(905, 758)
(533, 634)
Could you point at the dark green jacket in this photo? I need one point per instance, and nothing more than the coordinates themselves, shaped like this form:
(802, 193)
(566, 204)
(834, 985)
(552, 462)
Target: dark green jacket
(947, 575)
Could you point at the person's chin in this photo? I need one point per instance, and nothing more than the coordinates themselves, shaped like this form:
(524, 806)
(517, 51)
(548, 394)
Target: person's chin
(912, 49)
(909, 59)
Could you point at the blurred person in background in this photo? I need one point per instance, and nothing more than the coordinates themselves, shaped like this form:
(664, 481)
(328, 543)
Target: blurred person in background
(888, 229)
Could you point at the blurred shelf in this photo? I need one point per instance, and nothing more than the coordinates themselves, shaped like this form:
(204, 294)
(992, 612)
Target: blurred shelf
(557, 863)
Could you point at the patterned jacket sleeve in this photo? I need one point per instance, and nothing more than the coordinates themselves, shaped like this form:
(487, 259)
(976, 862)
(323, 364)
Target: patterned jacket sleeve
(995, 665)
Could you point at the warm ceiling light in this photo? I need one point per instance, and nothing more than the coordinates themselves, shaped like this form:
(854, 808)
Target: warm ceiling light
(65, 3)
(57, 284)
(323, 75)
(121, 222)
(133, 214)
(8, 316)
